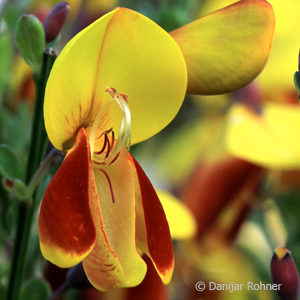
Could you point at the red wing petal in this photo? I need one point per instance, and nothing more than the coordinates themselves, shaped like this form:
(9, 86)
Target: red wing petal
(66, 228)
(156, 241)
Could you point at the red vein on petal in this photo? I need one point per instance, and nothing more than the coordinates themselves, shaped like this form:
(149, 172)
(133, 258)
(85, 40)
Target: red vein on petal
(114, 159)
(110, 185)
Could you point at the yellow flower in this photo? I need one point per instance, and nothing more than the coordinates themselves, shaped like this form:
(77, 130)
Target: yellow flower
(282, 63)
(123, 71)
(100, 207)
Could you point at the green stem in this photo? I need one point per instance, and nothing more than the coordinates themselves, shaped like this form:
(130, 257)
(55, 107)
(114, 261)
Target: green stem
(43, 168)
(26, 209)
(39, 138)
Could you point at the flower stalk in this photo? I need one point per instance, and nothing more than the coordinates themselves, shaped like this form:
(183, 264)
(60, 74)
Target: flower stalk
(26, 209)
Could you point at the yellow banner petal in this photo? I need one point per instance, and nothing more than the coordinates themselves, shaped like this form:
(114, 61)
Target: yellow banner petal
(225, 50)
(122, 50)
(271, 139)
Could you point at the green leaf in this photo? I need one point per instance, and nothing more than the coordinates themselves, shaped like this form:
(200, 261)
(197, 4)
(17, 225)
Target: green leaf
(30, 39)
(35, 289)
(9, 164)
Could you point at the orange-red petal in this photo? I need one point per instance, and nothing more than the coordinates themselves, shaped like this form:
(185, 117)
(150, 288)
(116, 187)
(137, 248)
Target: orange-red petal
(153, 234)
(212, 187)
(66, 228)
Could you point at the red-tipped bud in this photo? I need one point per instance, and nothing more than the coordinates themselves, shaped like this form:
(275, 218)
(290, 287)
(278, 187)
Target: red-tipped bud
(55, 21)
(285, 273)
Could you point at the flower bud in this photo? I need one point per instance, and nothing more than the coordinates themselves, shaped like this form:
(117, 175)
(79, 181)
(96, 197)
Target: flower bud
(285, 273)
(297, 81)
(297, 77)
(7, 184)
(55, 21)
(16, 185)
(30, 39)
(20, 189)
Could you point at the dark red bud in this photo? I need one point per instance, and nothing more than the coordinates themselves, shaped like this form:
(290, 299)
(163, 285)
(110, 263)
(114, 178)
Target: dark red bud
(55, 21)
(284, 273)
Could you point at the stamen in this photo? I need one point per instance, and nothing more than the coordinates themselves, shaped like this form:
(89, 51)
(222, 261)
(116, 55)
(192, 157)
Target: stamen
(99, 163)
(104, 132)
(110, 185)
(99, 118)
(112, 139)
(104, 145)
(115, 158)
(123, 141)
(108, 146)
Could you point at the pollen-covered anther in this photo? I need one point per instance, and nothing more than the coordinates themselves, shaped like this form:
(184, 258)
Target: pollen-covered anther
(124, 97)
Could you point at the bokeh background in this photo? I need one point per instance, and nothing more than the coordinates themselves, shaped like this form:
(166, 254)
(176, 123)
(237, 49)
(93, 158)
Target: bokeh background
(244, 206)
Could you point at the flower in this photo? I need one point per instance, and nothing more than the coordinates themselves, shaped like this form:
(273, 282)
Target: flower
(270, 138)
(123, 71)
(277, 75)
(100, 207)
(220, 58)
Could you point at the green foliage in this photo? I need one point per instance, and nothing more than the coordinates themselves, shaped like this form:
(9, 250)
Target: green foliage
(289, 207)
(172, 18)
(5, 60)
(9, 164)
(11, 14)
(35, 289)
(15, 129)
